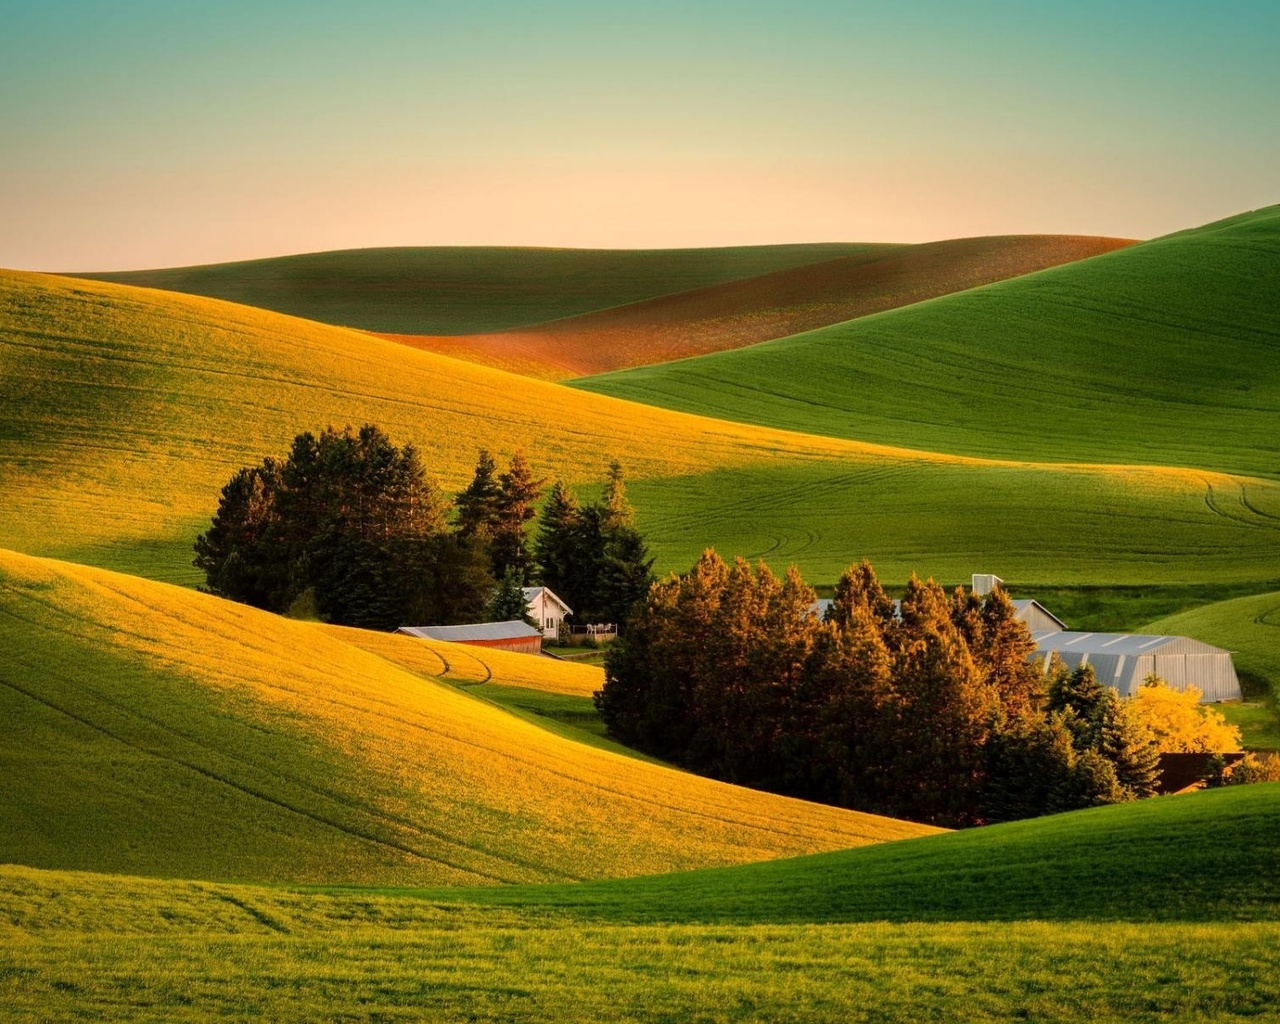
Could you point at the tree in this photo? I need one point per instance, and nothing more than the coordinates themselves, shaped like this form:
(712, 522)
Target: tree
(555, 548)
(347, 516)
(508, 602)
(1180, 723)
(518, 494)
(1128, 743)
(478, 506)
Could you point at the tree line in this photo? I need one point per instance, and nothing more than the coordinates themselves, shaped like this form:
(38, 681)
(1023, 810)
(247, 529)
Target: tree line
(932, 710)
(352, 522)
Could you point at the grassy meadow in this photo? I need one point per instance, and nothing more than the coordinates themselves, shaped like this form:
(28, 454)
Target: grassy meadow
(126, 411)
(1165, 352)
(1012, 922)
(464, 290)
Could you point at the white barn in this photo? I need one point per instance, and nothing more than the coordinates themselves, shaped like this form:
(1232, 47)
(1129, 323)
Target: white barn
(1125, 660)
(546, 609)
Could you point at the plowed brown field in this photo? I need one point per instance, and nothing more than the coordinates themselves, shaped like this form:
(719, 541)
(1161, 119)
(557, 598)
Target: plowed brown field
(757, 309)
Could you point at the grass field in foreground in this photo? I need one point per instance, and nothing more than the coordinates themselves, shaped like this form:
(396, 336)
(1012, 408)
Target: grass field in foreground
(148, 729)
(743, 312)
(125, 411)
(1165, 352)
(1164, 910)
(462, 290)
(470, 965)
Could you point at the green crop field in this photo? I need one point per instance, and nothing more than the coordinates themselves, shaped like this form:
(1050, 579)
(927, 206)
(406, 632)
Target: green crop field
(1157, 911)
(468, 289)
(1166, 352)
(149, 729)
(126, 410)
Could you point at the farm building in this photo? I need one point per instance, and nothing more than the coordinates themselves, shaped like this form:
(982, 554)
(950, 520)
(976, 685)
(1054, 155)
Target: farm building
(1033, 613)
(546, 609)
(507, 636)
(1124, 660)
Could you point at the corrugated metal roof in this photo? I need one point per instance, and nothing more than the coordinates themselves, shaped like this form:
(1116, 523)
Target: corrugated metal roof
(1122, 643)
(513, 630)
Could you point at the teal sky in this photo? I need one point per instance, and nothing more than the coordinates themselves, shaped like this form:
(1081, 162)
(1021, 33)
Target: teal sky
(140, 134)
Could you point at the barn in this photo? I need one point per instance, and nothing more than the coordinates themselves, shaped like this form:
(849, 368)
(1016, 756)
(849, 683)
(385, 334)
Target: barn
(546, 609)
(1124, 660)
(505, 636)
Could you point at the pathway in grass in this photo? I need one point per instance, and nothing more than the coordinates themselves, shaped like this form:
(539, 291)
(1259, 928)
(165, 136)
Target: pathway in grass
(1166, 352)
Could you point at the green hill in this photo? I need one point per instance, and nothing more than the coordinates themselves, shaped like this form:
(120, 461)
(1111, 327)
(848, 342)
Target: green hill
(125, 410)
(1164, 910)
(461, 290)
(1167, 352)
(1210, 856)
(151, 730)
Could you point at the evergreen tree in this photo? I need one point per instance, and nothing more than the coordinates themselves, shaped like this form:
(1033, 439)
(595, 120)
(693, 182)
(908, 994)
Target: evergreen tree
(1128, 743)
(555, 547)
(479, 506)
(616, 509)
(518, 494)
(508, 602)
(333, 518)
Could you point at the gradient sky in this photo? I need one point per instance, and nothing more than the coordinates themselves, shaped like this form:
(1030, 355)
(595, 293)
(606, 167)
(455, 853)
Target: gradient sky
(142, 134)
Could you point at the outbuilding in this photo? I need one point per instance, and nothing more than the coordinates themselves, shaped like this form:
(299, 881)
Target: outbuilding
(504, 636)
(1124, 660)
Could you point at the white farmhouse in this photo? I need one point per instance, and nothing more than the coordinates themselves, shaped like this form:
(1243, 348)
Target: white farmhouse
(546, 609)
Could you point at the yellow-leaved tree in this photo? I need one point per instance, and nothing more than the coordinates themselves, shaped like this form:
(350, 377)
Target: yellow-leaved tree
(1180, 723)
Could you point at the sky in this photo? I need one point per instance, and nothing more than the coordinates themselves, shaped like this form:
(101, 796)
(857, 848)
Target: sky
(145, 134)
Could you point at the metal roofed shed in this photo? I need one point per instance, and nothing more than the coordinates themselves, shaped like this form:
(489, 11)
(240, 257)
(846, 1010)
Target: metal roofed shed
(1124, 660)
(513, 635)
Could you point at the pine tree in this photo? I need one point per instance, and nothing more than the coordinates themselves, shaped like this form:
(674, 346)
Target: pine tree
(554, 544)
(508, 602)
(617, 512)
(1128, 743)
(479, 505)
(517, 505)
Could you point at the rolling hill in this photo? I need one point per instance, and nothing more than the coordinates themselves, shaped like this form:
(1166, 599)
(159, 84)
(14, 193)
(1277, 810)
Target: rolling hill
(125, 410)
(743, 312)
(1167, 352)
(465, 290)
(148, 729)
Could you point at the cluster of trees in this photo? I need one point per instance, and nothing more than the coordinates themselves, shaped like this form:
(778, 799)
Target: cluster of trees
(351, 521)
(930, 711)
(592, 555)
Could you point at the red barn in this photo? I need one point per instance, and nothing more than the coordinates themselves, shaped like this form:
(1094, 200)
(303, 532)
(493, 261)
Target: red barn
(507, 636)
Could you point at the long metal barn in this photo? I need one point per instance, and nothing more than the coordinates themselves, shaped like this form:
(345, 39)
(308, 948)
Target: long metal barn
(1124, 660)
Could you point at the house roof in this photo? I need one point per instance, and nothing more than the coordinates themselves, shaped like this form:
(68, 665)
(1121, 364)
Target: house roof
(531, 595)
(1121, 643)
(512, 630)
(1025, 603)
